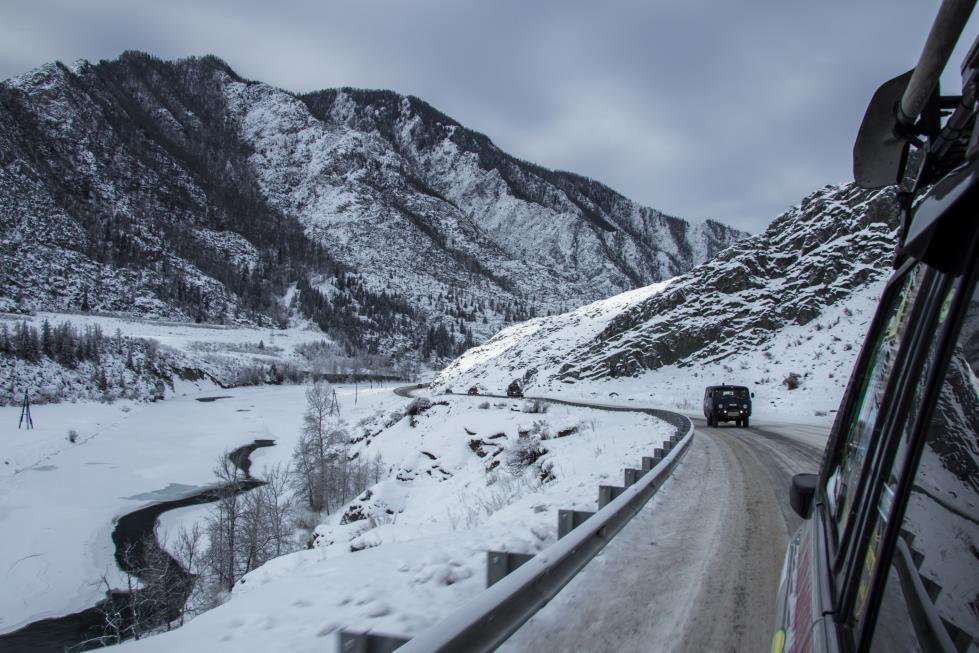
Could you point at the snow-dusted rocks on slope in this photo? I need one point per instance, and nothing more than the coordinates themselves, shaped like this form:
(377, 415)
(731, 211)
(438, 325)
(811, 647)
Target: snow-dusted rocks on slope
(795, 299)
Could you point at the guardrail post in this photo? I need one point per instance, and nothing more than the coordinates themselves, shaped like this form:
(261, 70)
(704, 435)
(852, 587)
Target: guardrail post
(501, 563)
(648, 462)
(369, 642)
(568, 520)
(659, 453)
(606, 493)
(633, 475)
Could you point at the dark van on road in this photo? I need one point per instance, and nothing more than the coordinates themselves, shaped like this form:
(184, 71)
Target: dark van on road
(887, 557)
(727, 403)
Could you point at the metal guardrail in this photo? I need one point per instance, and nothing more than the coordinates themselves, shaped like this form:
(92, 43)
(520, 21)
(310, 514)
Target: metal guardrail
(493, 615)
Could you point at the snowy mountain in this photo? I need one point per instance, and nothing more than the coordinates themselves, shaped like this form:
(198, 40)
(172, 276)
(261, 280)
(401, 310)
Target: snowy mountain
(794, 300)
(180, 190)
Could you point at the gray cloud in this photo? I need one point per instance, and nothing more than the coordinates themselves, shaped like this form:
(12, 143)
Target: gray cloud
(727, 110)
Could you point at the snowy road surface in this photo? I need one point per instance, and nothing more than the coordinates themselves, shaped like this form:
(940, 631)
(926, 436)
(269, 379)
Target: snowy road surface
(698, 568)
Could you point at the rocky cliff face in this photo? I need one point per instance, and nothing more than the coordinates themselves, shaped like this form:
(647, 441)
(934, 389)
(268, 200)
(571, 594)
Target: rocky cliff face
(180, 190)
(815, 258)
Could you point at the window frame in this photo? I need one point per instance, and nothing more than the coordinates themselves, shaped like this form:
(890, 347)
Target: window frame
(888, 437)
(840, 549)
(947, 339)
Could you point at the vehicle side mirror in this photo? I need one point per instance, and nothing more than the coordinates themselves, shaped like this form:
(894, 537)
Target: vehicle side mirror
(802, 492)
(880, 147)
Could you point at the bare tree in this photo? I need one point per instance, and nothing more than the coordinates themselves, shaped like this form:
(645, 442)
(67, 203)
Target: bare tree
(305, 480)
(312, 454)
(319, 400)
(253, 537)
(265, 518)
(189, 551)
(279, 508)
(113, 621)
(223, 526)
(165, 585)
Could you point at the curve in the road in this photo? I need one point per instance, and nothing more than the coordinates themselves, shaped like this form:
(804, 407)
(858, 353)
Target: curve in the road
(702, 574)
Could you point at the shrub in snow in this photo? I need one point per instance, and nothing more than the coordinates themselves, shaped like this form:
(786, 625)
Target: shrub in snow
(325, 535)
(393, 419)
(545, 471)
(534, 406)
(792, 381)
(250, 375)
(72, 435)
(485, 405)
(524, 453)
(418, 406)
(368, 540)
(539, 429)
(474, 507)
(356, 511)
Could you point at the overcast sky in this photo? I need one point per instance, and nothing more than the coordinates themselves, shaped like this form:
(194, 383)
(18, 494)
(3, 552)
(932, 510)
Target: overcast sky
(732, 110)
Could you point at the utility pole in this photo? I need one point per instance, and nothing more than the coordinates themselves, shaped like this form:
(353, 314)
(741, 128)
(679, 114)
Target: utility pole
(25, 413)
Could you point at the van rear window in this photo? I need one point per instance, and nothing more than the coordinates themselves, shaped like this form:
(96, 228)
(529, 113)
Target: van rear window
(734, 392)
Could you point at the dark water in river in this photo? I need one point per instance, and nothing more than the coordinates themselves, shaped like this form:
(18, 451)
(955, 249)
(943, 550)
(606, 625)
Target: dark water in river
(132, 532)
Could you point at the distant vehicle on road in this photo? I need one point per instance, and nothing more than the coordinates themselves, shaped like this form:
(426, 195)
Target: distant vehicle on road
(886, 557)
(727, 403)
(514, 389)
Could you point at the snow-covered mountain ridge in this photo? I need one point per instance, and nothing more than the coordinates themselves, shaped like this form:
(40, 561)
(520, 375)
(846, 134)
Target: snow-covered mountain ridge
(792, 300)
(180, 190)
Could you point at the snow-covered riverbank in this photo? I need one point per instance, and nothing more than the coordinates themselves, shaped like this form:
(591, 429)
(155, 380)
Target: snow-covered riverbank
(58, 499)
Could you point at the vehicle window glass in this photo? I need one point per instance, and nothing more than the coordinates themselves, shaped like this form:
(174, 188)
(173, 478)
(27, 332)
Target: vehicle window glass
(885, 500)
(842, 484)
(931, 595)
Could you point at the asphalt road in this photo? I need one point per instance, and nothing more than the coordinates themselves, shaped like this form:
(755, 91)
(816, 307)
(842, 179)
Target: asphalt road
(407, 390)
(698, 568)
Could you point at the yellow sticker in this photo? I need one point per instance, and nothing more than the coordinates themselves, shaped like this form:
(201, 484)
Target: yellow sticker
(778, 641)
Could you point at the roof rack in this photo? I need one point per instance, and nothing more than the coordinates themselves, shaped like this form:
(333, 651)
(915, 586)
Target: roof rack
(909, 107)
